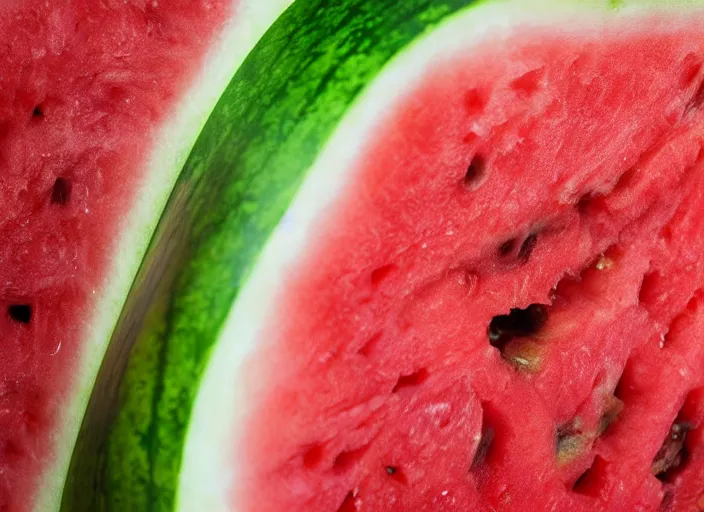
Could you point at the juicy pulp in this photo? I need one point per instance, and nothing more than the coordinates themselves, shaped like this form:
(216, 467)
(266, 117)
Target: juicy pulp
(84, 88)
(562, 170)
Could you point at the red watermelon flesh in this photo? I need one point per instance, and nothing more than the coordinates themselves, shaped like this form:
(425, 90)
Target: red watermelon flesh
(505, 310)
(84, 86)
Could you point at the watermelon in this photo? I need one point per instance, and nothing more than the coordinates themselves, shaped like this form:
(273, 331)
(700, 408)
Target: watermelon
(100, 103)
(434, 255)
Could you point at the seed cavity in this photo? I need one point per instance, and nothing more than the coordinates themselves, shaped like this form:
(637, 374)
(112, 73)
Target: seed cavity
(519, 323)
(604, 263)
(673, 453)
(612, 409)
(381, 273)
(474, 101)
(527, 247)
(370, 346)
(626, 179)
(525, 355)
(475, 172)
(650, 289)
(395, 473)
(313, 456)
(584, 202)
(348, 504)
(691, 65)
(61, 192)
(487, 439)
(524, 252)
(348, 459)
(667, 501)
(506, 248)
(484, 446)
(626, 386)
(570, 442)
(590, 203)
(696, 102)
(470, 138)
(21, 313)
(412, 380)
(592, 480)
(527, 84)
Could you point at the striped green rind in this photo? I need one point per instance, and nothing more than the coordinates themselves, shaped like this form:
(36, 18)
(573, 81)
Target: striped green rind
(253, 154)
(172, 140)
(251, 157)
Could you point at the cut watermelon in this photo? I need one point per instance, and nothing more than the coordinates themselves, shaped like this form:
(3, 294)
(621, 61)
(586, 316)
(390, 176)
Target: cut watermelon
(100, 103)
(441, 256)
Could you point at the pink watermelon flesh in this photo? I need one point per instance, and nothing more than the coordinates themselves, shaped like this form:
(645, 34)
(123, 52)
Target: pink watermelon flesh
(505, 309)
(83, 87)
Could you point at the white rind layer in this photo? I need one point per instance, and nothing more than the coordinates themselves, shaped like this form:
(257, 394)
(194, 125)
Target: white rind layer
(171, 147)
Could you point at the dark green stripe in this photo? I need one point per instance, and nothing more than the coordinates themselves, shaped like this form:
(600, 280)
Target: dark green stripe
(268, 127)
(152, 437)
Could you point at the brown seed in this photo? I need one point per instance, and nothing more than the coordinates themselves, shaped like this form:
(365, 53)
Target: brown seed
(525, 355)
(570, 447)
(612, 408)
(672, 453)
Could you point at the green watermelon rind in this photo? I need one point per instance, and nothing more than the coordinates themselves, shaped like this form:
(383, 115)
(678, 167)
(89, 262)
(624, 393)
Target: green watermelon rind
(172, 145)
(143, 455)
(291, 110)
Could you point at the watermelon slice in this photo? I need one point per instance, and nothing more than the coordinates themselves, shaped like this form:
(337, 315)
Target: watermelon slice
(440, 255)
(100, 103)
